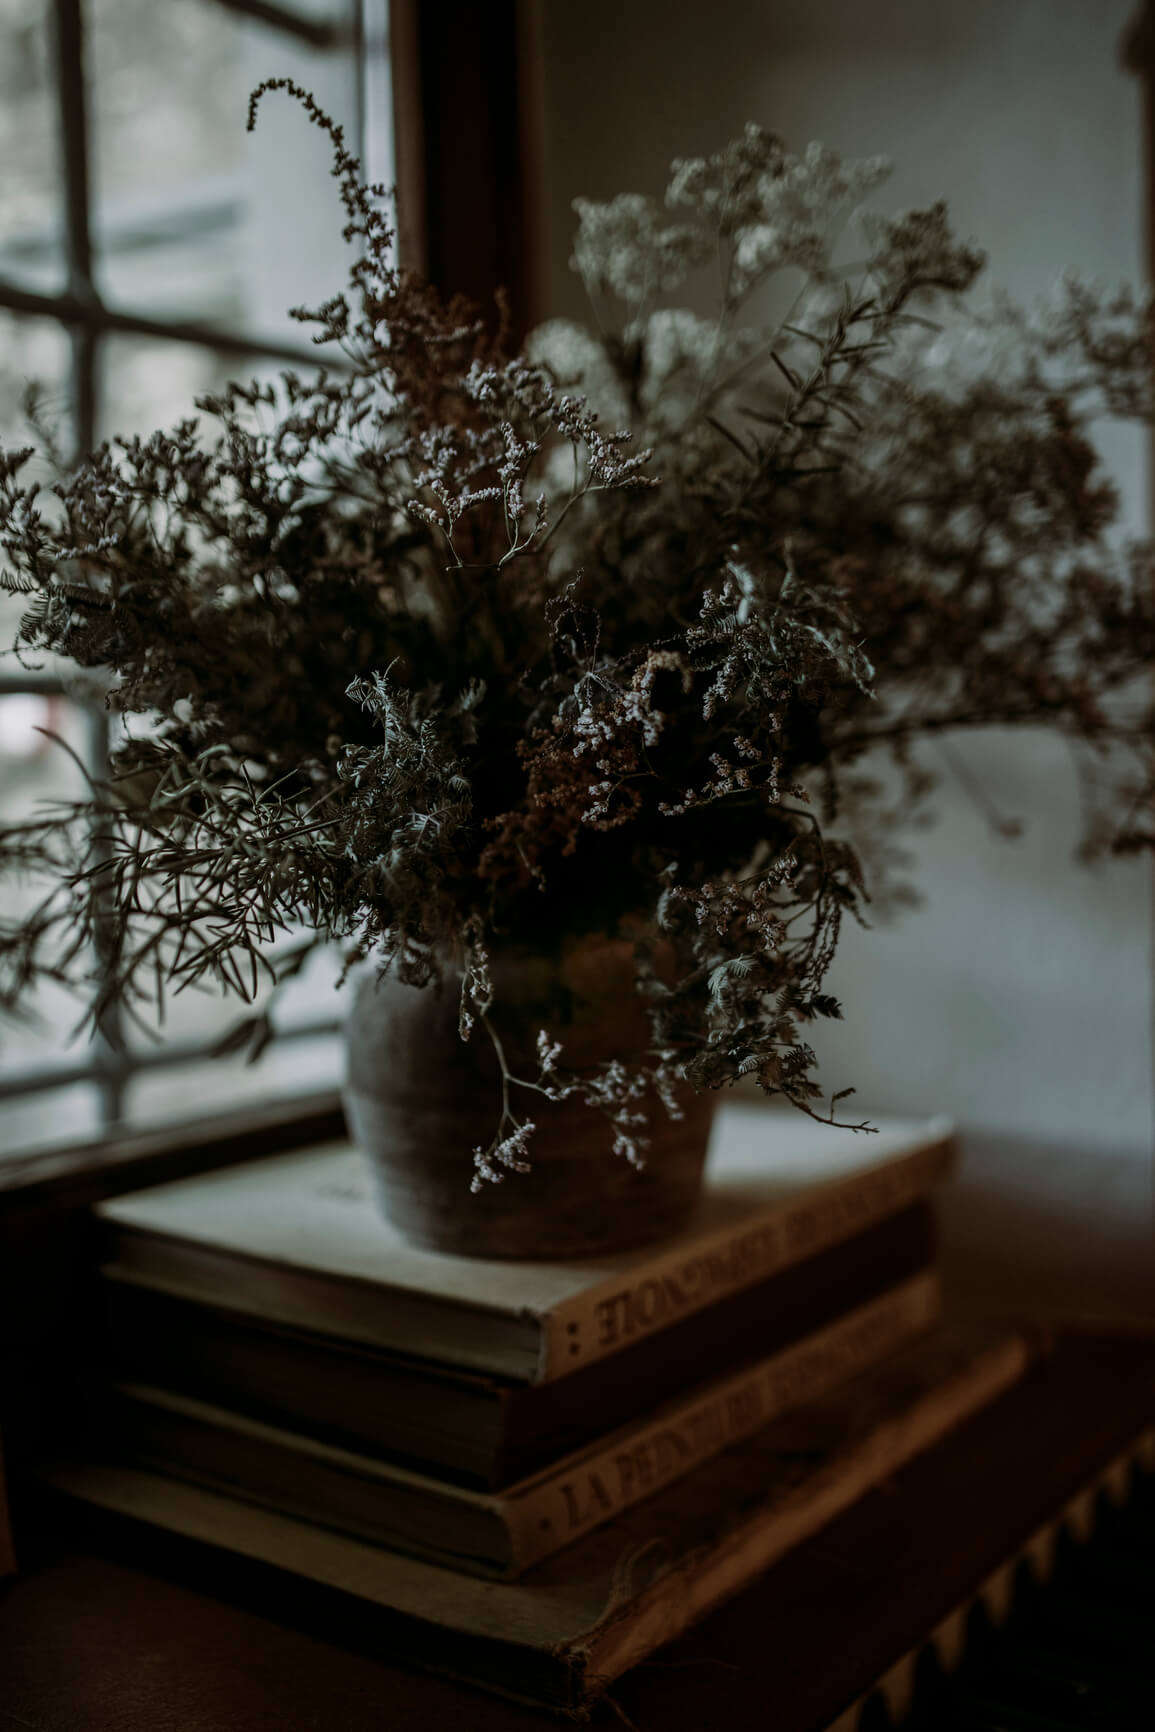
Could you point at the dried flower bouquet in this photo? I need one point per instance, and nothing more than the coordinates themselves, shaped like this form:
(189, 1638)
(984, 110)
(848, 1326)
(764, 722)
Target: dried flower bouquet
(442, 655)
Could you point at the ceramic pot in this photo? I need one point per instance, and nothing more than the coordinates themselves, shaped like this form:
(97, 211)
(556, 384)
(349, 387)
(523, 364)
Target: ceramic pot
(419, 1100)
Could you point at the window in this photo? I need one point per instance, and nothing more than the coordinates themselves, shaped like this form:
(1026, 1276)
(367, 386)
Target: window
(149, 248)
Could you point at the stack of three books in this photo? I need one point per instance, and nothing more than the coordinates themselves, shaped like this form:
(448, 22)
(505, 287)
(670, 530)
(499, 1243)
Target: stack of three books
(538, 1473)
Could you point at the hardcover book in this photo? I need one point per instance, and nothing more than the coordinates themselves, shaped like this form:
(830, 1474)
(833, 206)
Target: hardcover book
(466, 1426)
(504, 1534)
(575, 1622)
(297, 1239)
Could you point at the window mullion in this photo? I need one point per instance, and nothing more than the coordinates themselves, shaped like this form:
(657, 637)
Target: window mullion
(72, 101)
(72, 98)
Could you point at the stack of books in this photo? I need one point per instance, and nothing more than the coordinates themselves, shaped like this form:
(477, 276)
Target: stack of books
(538, 1473)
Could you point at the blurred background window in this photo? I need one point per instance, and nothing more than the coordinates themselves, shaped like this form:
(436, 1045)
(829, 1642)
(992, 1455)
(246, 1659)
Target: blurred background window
(150, 249)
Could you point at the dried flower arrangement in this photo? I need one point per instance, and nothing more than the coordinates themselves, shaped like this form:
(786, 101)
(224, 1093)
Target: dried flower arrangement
(427, 662)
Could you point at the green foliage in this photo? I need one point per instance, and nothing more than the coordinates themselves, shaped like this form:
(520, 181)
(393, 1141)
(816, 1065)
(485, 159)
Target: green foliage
(426, 662)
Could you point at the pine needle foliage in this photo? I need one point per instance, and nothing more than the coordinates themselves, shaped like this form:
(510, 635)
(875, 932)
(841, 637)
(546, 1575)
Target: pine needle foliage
(413, 654)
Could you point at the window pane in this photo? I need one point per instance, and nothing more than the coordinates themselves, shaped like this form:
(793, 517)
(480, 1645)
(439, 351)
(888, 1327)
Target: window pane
(200, 1018)
(147, 383)
(53, 1119)
(31, 251)
(195, 1091)
(33, 353)
(314, 997)
(35, 771)
(194, 218)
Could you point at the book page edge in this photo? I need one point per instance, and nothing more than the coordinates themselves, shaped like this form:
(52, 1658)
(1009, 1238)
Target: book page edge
(629, 1632)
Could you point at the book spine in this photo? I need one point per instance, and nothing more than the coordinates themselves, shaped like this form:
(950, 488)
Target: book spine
(608, 1317)
(592, 1487)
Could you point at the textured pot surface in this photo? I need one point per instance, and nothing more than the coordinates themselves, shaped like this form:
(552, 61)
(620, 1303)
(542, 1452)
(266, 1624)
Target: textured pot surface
(420, 1100)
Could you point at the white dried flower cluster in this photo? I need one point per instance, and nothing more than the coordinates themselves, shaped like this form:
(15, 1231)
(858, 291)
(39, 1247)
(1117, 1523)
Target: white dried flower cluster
(682, 355)
(772, 210)
(575, 358)
(624, 248)
(664, 661)
(727, 779)
(602, 725)
(476, 982)
(664, 1079)
(529, 424)
(732, 600)
(801, 205)
(677, 338)
(518, 458)
(548, 1052)
(449, 461)
(594, 726)
(606, 464)
(747, 902)
(510, 1155)
(514, 385)
(615, 1091)
(727, 184)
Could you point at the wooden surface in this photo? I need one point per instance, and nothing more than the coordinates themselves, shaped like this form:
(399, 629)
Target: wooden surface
(114, 1631)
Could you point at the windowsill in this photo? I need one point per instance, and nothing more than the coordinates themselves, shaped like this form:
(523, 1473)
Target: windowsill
(81, 1174)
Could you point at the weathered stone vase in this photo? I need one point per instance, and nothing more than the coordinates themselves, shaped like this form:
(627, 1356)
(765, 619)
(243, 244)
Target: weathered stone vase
(419, 1100)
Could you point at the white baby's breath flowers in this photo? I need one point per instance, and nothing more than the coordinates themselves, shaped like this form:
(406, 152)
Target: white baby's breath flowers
(682, 355)
(751, 210)
(577, 360)
(625, 248)
(677, 338)
(773, 210)
(802, 206)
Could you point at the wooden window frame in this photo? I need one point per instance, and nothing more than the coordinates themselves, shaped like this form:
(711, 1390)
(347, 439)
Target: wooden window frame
(468, 133)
